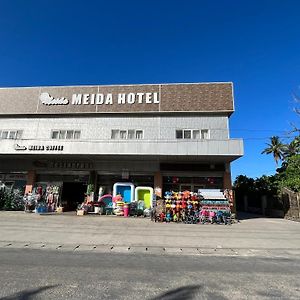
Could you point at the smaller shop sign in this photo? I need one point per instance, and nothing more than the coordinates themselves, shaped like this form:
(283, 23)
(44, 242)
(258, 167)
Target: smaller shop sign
(39, 147)
(46, 148)
(15, 177)
(75, 165)
(12, 177)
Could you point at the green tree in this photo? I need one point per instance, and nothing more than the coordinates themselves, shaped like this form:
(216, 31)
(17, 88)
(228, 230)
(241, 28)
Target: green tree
(292, 148)
(292, 173)
(275, 147)
(268, 185)
(244, 183)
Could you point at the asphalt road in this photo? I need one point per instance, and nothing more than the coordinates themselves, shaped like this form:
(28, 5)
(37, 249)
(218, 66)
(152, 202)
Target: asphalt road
(42, 274)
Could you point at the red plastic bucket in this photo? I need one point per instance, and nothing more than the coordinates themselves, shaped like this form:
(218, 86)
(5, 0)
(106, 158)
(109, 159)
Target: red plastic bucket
(126, 210)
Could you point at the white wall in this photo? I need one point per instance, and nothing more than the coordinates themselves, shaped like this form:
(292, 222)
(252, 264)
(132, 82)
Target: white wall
(99, 128)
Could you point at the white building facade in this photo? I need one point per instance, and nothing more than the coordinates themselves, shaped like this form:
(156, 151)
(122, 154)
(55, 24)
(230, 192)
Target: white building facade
(167, 136)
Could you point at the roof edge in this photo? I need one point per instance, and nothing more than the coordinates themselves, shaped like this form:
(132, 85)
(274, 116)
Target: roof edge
(105, 85)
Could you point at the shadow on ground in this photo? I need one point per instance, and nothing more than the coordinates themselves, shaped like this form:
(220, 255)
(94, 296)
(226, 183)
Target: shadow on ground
(246, 216)
(188, 292)
(185, 292)
(29, 294)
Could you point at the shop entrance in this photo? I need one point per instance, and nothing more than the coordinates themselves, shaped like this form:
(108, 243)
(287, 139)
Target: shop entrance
(193, 184)
(73, 194)
(190, 187)
(185, 187)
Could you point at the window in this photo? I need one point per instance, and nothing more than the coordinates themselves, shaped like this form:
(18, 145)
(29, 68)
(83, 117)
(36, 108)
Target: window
(19, 134)
(179, 134)
(62, 134)
(139, 134)
(196, 134)
(204, 134)
(55, 134)
(11, 134)
(4, 134)
(65, 134)
(129, 134)
(77, 135)
(123, 134)
(70, 134)
(115, 134)
(187, 134)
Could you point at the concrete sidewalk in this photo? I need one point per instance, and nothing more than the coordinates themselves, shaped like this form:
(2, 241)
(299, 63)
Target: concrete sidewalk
(111, 233)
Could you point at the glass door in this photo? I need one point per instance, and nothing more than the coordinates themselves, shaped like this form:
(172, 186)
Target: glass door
(185, 187)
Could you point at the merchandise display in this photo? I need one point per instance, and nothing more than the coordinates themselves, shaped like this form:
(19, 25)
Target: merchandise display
(43, 199)
(51, 197)
(145, 194)
(29, 202)
(125, 189)
(106, 201)
(206, 206)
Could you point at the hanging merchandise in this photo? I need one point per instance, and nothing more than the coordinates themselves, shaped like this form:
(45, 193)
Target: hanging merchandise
(29, 202)
(208, 206)
(39, 194)
(52, 197)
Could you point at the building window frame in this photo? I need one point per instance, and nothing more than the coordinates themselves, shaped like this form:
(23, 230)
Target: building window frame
(205, 134)
(192, 134)
(123, 134)
(115, 134)
(139, 134)
(65, 134)
(77, 134)
(127, 134)
(130, 134)
(11, 134)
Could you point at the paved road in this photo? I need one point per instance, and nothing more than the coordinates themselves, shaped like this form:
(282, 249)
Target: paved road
(69, 231)
(36, 274)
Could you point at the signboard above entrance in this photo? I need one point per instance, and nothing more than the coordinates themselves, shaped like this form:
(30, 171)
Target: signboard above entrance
(146, 98)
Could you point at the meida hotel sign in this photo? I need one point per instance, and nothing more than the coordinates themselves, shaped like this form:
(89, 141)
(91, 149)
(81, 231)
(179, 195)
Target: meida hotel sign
(99, 99)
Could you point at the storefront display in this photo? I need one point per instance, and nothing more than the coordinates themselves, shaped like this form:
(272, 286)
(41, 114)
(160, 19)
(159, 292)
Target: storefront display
(52, 197)
(45, 196)
(145, 194)
(206, 206)
(125, 189)
(29, 202)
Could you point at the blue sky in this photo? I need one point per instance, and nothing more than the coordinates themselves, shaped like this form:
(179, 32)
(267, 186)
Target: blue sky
(254, 44)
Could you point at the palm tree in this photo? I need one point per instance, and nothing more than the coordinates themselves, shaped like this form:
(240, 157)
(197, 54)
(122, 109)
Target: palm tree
(292, 148)
(275, 147)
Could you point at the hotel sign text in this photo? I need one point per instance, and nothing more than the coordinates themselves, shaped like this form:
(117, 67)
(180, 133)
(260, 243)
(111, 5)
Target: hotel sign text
(102, 99)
